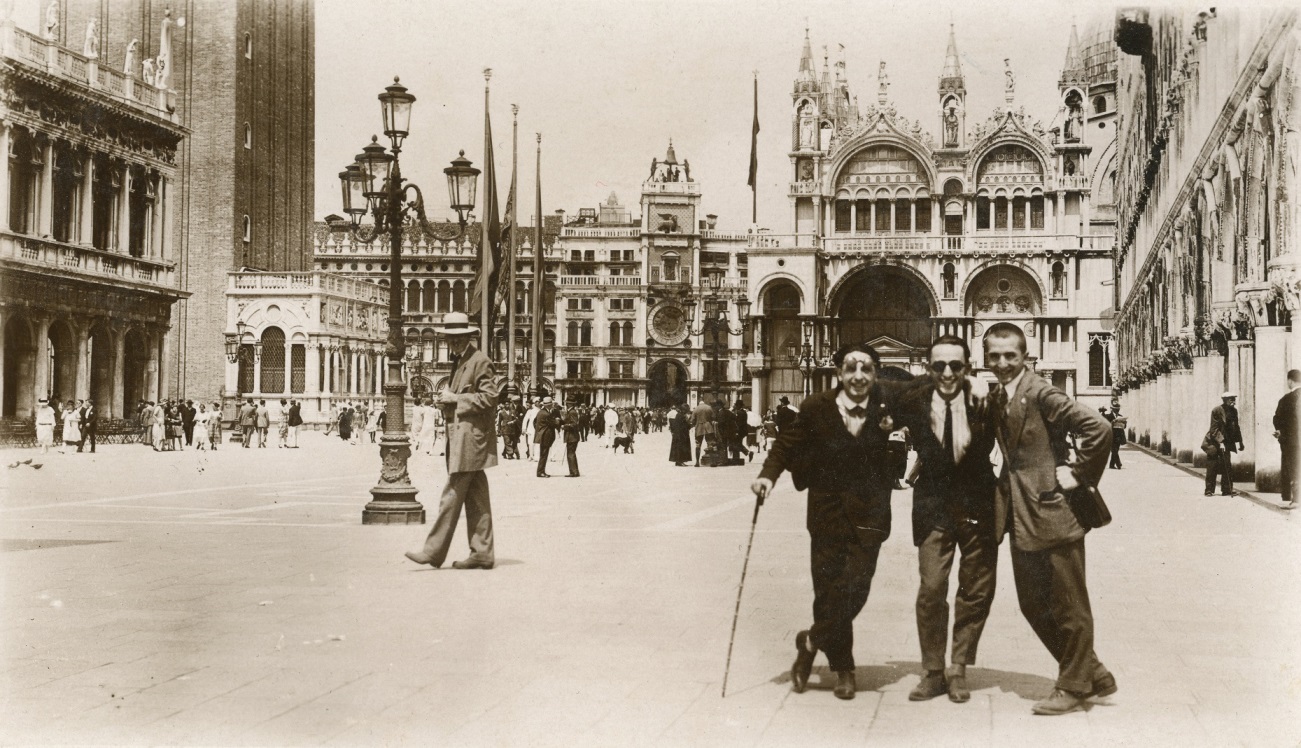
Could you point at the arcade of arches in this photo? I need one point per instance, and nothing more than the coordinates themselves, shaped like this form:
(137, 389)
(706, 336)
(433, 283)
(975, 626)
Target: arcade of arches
(66, 357)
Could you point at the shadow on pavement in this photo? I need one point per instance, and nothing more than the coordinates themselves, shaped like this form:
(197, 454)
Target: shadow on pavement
(878, 677)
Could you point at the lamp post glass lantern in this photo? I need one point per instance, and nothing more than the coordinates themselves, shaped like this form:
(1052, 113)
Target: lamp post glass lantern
(714, 324)
(374, 184)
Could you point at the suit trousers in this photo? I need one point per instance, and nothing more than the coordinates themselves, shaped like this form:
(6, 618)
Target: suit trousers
(1287, 471)
(1055, 601)
(543, 451)
(1116, 444)
(88, 432)
(468, 489)
(571, 453)
(977, 573)
(1222, 464)
(843, 565)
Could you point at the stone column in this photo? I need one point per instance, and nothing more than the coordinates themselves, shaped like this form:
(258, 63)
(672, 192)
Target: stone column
(1271, 384)
(5, 127)
(86, 222)
(853, 216)
(117, 407)
(937, 217)
(257, 370)
(1184, 418)
(41, 382)
(890, 202)
(45, 210)
(312, 384)
(1070, 383)
(992, 202)
(912, 219)
(164, 348)
(1208, 376)
(165, 231)
(871, 221)
(1242, 380)
(156, 221)
(81, 388)
(4, 319)
(326, 389)
(124, 211)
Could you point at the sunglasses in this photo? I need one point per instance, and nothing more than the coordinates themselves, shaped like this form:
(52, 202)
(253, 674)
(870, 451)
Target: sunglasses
(956, 366)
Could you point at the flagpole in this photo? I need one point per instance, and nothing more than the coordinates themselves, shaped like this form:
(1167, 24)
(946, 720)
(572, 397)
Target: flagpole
(754, 144)
(514, 245)
(539, 280)
(485, 242)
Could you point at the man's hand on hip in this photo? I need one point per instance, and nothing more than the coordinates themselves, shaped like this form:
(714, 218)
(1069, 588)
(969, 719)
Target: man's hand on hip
(1066, 478)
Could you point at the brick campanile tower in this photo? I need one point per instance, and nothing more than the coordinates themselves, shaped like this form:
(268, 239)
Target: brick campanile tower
(242, 77)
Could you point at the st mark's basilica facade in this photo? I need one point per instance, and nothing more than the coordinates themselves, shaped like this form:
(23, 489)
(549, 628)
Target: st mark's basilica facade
(906, 230)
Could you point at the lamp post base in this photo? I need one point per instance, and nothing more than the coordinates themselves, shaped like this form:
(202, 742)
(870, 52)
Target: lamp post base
(393, 500)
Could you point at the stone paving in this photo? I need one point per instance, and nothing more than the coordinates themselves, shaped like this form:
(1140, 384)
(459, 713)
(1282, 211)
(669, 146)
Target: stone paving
(234, 598)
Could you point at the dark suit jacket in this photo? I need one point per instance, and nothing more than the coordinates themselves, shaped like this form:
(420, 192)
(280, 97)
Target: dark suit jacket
(1224, 427)
(847, 476)
(544, 426)
(1034, 442)
(570, 425)
(89, 418)
(1286, 417)
(946, 492)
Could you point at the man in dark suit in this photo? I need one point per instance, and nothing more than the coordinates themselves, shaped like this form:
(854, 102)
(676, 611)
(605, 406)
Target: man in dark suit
(572, 437)
(1219, 444)
(89, 425)
(295, 421)
(725, 429)
(544, 427)
(953, 509)
(1033, 421)
(785, 414)
(1286, 429)
(469, 408)
(836, 448)
(188, 412)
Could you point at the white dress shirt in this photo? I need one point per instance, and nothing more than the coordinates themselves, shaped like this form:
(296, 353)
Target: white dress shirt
(961, 428)
(852, 422)
(1010, 389)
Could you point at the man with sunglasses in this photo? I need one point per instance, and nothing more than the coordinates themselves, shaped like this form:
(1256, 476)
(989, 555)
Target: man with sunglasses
(953, 509)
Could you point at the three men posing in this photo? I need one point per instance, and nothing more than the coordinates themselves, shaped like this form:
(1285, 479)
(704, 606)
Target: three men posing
(837, 448)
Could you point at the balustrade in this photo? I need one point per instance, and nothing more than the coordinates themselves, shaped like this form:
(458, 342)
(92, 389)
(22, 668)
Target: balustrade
(84, 260)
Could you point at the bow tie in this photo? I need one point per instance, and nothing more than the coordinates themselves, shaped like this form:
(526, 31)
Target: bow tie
(858, 411)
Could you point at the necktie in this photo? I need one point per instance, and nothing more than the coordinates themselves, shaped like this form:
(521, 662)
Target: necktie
(948, 430)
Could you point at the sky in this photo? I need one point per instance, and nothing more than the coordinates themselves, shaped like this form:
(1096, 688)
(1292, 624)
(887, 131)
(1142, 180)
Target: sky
(607, 84)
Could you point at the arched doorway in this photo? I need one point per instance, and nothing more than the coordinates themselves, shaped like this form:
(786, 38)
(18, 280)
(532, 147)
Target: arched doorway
(20, 369)
(782, 343)
(889, 308)
(421, 388)
(1005, 294)
(668, 384)
(134, 370)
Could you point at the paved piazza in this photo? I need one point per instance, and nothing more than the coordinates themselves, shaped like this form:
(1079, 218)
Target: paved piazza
(234, 598)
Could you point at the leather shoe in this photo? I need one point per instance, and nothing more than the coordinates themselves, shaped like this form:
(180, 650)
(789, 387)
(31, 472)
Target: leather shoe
(803, 667)
(421, 557)
(958, 691)
(1061, 702)
(845, 684)
(930, 686)
(472, 563)
(1104, 686)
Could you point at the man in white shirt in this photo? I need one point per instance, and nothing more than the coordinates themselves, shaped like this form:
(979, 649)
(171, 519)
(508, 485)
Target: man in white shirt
(527, 427)
(953, 511)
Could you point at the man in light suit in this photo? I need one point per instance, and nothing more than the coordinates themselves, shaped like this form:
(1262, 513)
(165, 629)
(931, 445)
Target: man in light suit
(1033, 420)
(469, 405)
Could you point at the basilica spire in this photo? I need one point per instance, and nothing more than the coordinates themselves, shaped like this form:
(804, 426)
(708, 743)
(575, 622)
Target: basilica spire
(952, 67)
(1073, 68)
(806, 60)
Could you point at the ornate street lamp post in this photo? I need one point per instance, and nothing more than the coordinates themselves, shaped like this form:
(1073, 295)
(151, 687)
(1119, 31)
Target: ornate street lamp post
(713, 322)
(237, 353)
(374, 184)
(803, 355)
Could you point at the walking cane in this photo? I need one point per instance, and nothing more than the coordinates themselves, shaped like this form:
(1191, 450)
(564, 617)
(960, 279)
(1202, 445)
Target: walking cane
(739, 589)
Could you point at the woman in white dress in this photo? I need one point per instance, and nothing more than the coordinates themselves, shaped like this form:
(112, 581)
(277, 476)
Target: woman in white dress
(160, 427)
(71, 424)
(429, 426)
(45, 420)
(372, 424)
(201, 438)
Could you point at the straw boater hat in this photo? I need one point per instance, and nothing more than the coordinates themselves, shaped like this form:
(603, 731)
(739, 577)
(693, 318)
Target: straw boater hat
(456, 323)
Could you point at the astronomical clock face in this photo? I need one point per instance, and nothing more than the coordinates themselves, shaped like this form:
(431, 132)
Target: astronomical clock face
(668, 323)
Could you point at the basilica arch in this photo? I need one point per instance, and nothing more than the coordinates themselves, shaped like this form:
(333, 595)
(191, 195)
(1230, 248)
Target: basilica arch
(667, 383)
(887, 305)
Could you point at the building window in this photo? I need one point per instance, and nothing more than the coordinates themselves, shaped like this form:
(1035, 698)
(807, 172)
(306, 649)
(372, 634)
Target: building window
(24, 169)
(248, 46)
(842, 216)
(622, 305)
(1099, 104)
(1059, 280)
(413, 296)
(273, 361)
(248, 230)
(1099, 360)
(982, 212)
(248, 136)
(923, 216)
(882, 216)
(578, 369)
(585, 333)
(950, 281)
(670, 267)
(1037, 212)
(458, 296)
(579, 305)
(1000, 212)
(621, 370)
(298, 368)
(571, 333)
(428, 296)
